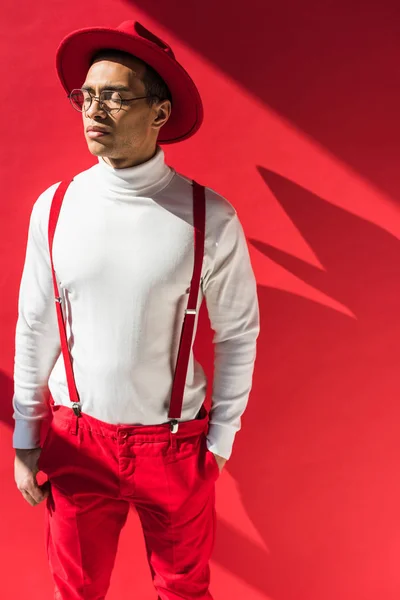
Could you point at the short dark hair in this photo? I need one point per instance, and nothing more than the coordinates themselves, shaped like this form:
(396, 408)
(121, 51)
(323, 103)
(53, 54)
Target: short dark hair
(154, 84)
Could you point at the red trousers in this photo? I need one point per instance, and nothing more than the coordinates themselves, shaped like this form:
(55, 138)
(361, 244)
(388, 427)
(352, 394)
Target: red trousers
(96, 471)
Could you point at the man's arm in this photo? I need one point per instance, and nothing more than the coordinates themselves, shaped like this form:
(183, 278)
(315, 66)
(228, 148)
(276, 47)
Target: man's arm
(231, 296)
(37, 347)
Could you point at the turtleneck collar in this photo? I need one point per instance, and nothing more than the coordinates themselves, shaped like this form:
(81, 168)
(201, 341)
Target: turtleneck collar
(145, 179)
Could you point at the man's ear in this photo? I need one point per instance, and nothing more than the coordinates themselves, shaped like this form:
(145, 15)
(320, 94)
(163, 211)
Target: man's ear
(162, 114)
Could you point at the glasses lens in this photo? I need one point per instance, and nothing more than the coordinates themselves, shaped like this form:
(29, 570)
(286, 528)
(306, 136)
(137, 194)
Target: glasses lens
(80, 100)
(111, 100)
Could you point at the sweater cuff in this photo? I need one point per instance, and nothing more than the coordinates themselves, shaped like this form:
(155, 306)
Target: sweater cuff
(220, 440)
(26, 434)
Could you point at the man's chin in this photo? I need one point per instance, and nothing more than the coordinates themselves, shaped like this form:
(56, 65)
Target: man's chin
(97, 148)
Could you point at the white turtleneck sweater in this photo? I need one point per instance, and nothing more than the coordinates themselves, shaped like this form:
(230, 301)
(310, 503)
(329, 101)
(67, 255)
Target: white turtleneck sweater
(123, 255)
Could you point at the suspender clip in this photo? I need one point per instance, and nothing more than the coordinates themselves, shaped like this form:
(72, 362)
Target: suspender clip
(190, 311)
(174, 424)
(76, 407)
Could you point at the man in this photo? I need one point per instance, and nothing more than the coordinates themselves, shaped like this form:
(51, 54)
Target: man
(121, 272)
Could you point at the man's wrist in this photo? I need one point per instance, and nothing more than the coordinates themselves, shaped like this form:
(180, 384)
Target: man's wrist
(26, 434)
(220, 440)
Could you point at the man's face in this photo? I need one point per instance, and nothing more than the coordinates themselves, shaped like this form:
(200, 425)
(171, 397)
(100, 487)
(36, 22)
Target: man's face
(133, 130)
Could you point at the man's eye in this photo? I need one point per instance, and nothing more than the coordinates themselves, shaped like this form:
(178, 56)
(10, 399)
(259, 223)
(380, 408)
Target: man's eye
(111, 96)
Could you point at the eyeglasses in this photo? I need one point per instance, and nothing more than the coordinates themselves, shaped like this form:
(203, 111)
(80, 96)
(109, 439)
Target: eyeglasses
(110, 100)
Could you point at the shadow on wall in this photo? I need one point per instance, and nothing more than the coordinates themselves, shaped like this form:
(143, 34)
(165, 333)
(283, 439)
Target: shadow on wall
(330, 68)
(318, 457)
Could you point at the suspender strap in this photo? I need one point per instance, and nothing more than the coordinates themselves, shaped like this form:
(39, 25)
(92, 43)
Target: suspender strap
(185, 344)
(178, 386)
(53, 218)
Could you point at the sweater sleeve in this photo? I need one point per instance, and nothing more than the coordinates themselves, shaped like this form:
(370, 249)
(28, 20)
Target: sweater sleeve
(231, 297)
(37, 344)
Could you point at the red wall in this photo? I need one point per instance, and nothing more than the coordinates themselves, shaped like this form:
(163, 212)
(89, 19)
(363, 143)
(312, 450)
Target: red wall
(301, 133)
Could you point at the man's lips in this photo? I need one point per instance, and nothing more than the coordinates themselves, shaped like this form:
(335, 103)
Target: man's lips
(95, 134)
(95, 131)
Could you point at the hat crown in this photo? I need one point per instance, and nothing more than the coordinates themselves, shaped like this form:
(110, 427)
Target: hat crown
(137, 29)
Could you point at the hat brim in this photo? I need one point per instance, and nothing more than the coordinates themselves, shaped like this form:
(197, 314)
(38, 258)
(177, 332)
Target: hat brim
(73, 60)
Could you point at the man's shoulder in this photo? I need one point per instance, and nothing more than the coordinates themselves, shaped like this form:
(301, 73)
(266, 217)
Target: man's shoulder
(42, 204)
(217, 205)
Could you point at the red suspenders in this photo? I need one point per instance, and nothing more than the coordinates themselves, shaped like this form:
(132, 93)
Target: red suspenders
(185, 344)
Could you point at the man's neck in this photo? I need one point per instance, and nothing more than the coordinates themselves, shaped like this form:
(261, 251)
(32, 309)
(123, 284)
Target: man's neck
(129, 161)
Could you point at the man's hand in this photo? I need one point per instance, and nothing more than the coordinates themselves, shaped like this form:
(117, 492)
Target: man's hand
(220, 462)
(25, 471)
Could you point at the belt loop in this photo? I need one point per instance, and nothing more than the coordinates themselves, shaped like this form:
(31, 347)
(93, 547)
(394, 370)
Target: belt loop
(74, 425)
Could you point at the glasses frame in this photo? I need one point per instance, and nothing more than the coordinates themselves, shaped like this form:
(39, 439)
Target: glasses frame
(101, 103)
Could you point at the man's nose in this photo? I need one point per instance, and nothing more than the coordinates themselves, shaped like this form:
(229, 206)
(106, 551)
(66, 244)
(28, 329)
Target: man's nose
(95, 108)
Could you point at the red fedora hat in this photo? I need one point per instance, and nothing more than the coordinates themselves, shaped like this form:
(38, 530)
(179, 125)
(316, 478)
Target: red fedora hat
(77, 48)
